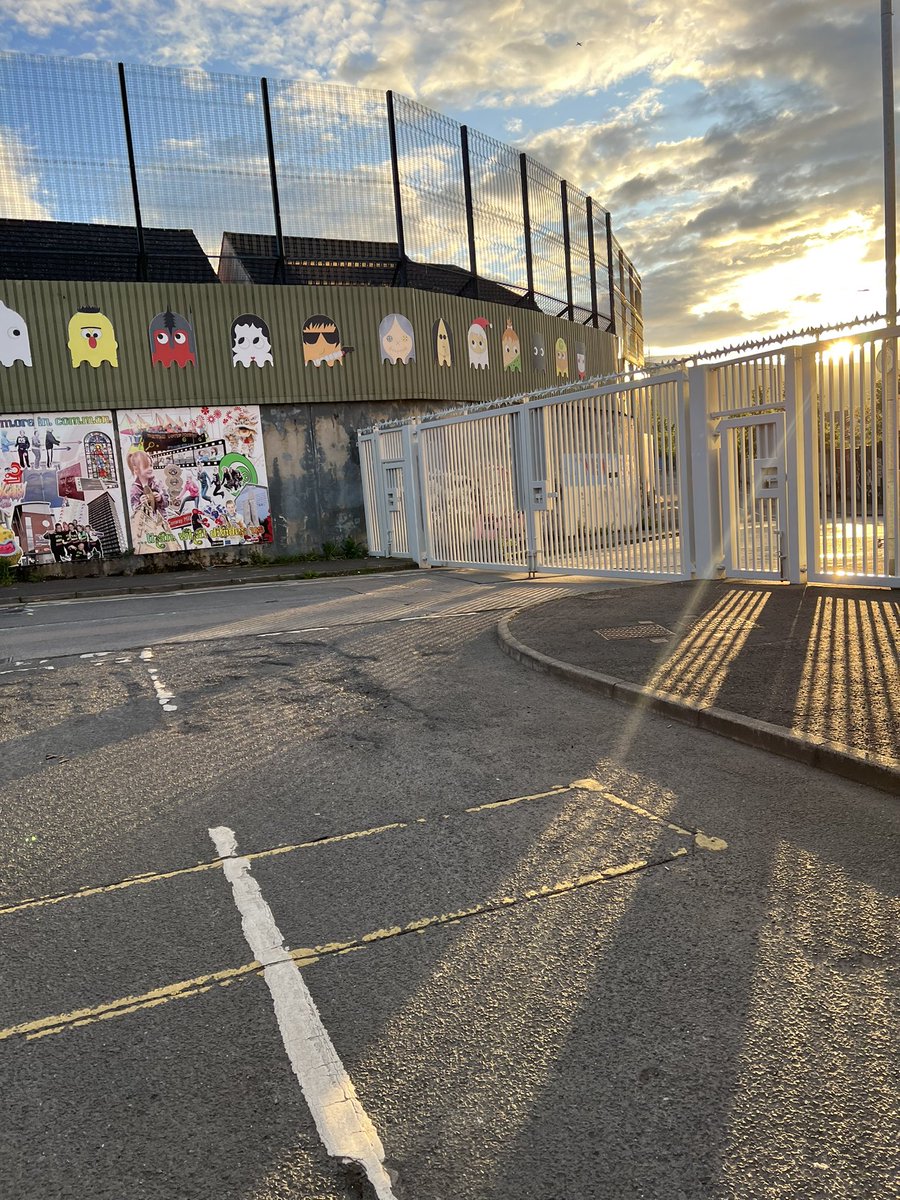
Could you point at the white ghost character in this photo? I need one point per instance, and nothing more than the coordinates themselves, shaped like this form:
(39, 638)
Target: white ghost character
(250, 341)
(14, 344)
(478, 343)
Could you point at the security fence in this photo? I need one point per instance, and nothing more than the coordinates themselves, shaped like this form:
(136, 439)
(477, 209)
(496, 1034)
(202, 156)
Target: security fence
(299, 182)
(781, 463)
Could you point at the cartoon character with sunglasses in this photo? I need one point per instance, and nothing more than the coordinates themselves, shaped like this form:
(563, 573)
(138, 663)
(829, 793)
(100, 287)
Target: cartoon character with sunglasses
(322, 342)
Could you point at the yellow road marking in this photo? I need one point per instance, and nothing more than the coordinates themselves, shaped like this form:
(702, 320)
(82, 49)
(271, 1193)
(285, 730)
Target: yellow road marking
(213, 864)
(585, 785)
(306, 956)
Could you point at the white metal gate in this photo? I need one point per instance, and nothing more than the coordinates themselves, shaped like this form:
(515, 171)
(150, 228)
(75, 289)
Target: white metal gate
(753, 487)
(778, 464)
(584, 482)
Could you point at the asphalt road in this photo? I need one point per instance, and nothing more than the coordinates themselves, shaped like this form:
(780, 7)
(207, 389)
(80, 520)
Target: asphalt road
(564, 950)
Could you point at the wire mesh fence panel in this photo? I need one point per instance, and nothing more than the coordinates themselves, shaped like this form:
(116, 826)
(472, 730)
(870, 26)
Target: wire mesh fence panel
(429, 155)
(471, 495)
(63, 154)
(580, 255)
(601, 259)
(333, 160)
(200, 153)
(547, 240)
(498, 211)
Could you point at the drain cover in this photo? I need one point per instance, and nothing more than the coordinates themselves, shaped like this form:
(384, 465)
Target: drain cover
(646, 629)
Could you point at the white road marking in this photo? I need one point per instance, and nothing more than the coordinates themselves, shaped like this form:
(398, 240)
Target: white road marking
(343, 1124)
(163, 695)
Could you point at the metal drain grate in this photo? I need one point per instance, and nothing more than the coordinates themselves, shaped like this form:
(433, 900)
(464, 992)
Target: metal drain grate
(647, 629)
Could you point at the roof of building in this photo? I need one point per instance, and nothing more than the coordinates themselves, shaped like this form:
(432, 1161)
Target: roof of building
(253, 258)
(73, 250)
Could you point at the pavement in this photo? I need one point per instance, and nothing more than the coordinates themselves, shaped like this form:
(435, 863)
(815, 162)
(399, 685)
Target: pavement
(169, 579)
(811, 673)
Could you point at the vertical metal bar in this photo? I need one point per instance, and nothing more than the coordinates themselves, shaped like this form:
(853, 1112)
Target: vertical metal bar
(279, 272)
(854, 369)
(609, 271)
(863, 455)
(132, 169)
(890, 195)
(470, 213)
(526, 226)
(567, 247)
(592, 261)
(398, 201)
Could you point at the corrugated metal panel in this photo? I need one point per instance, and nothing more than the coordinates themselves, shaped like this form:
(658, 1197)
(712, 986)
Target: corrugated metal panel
(53, 385)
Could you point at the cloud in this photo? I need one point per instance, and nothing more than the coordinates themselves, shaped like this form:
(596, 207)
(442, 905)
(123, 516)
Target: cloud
(20, 184)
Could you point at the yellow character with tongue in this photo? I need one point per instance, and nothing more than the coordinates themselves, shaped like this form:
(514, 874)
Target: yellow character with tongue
(92, 338)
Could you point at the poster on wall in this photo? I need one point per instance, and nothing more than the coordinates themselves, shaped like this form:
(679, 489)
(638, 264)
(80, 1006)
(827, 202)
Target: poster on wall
(60, 491)
(195, 478)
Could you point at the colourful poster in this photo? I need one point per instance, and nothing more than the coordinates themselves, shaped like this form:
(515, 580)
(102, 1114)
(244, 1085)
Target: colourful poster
(60, 491)
(196, 478)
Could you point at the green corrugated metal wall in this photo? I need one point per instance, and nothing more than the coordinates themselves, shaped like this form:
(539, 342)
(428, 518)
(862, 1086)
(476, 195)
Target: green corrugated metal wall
(53, 385)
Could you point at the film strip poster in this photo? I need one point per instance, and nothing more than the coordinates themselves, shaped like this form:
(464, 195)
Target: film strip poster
(195, 478)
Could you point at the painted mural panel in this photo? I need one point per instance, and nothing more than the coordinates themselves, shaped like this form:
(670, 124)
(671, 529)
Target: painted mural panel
(196, 477)
(60, 491)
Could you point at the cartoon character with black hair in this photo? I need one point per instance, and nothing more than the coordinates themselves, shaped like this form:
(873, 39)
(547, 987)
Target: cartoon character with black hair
(172, 340)
(92, 338)
(580, 360)
(250, 341)
(322, 342)
(396, 339)
(442, 342)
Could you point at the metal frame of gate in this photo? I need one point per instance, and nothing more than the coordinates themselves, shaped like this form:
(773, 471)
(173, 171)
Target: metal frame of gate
(780, 464)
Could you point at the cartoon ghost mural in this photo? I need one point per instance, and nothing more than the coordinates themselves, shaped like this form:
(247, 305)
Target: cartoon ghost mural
(562, 359)
(250, 341)
(538, 353)
(580, 360)
(512, 349)
(478, 343)
(14, 344)
(322, 342)
(92, 338)
(396, 339)
(442, 339)
(172, 340)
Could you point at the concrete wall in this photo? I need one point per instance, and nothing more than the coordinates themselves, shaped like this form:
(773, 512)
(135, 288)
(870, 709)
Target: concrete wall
(312, 459)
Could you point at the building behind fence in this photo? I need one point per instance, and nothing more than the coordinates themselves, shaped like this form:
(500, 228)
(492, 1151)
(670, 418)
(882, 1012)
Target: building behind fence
(321, 176)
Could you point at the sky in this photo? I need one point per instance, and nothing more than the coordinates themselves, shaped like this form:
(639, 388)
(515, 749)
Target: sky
(738, 146)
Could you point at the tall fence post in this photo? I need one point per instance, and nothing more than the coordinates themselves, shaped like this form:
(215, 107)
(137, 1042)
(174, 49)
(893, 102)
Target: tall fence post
(592, 261)
(795, 468)
(609, 271)
(470, 212)
(132, 168)
(398, 200)
(705, 517)
(526, 225)
(279, 274)
(567, 248)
